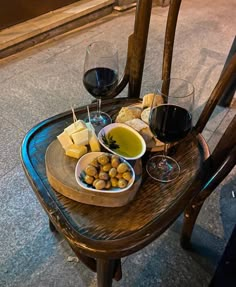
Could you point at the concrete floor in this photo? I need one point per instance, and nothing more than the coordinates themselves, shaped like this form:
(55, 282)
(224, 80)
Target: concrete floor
(46, 80)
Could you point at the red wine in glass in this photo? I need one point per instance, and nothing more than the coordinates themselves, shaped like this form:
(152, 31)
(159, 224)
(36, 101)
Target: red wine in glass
(100, 77)
(170, 122)
(100, 81)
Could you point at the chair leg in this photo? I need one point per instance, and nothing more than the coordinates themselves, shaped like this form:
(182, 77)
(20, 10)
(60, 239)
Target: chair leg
(118, 270)
(105, 271)
(190, 217)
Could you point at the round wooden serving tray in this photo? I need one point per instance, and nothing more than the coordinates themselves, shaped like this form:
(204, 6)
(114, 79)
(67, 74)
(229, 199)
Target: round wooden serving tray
(60, 171)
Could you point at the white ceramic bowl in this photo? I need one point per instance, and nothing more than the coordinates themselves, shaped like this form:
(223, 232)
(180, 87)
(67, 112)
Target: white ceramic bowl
(121, 139)
(87, 159)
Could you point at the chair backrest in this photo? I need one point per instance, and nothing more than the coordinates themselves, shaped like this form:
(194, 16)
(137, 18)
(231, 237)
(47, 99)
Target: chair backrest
(222, 160)
(133, 73)
(137, 44)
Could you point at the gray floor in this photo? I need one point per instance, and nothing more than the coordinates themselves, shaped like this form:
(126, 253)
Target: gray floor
(46, 80)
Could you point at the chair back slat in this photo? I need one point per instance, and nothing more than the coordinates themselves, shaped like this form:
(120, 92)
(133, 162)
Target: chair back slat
(225, 144)
(139, 44)
(216, 94)
(169, 38)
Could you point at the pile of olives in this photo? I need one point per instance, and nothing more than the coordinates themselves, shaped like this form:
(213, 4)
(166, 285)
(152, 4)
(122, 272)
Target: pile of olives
(107, 171)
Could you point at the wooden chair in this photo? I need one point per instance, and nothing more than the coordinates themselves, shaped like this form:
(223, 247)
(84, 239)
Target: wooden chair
(101, 243)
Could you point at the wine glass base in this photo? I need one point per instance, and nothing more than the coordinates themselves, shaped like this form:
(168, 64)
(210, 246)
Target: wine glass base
(163, 168)
(99, 120)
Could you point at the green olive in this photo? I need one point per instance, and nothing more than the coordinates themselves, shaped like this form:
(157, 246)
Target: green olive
(103, 159)
(127, 175)
(89, 179)
(103, 175)
(108, 184)
(122, 167)
(115, 156)
(119, 175)
(112, 172)
(94, 162)
(100, 184)
(115, 161)
(96, 176)
(106, 167)
(95, 181)
(91, 170)
(114, 182)
(122, 183)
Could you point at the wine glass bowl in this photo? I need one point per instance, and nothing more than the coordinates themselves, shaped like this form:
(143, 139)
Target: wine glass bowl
(170, 122)
(100, 81)
(100, 77)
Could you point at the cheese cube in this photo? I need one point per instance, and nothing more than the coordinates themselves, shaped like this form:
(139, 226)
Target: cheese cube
(94, 143)
(64, 140)
(75, 127)
(81, 137)
(76, 151)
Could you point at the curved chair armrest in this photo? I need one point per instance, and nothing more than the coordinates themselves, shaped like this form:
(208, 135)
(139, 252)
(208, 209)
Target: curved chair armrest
(215, 168)
(217, 175)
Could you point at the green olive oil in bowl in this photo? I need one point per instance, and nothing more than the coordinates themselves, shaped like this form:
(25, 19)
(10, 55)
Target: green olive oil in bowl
(122, 140)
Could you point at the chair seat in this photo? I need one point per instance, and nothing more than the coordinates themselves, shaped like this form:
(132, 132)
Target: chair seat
(112, 232)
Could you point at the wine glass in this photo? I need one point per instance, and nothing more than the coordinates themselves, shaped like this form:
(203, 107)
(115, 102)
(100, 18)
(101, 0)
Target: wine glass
(100, 77)
(170, 122)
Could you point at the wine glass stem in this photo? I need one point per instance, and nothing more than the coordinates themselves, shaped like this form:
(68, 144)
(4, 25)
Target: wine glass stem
(99, 107)
(165, 150)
